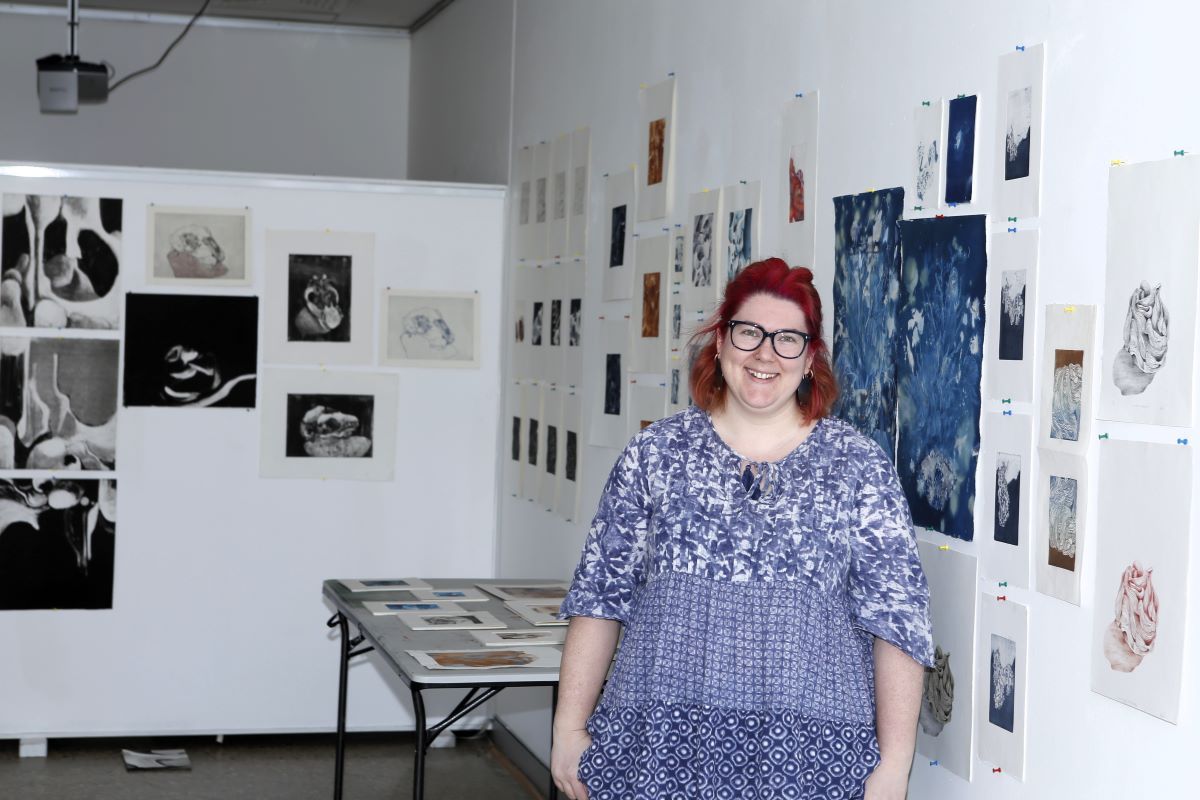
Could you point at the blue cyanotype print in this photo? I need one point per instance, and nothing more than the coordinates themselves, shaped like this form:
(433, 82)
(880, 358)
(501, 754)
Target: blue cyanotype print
(960, 150)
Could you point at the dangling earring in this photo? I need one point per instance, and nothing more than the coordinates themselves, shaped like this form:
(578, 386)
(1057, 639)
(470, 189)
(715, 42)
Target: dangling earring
(805, 387)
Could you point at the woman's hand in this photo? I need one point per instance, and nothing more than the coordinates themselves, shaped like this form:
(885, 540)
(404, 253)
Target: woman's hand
(564, 762)
(887, 782)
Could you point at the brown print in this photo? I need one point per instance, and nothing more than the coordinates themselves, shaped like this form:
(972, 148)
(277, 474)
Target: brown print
(1063, 358)
(646, 423)
(469, 658)
(654, 168)
(650, 285)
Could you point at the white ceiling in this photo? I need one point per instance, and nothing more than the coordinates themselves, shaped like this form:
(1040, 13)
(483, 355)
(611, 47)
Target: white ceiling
(372, 13)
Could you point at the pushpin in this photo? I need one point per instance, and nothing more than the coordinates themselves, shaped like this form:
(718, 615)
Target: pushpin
(943, 547)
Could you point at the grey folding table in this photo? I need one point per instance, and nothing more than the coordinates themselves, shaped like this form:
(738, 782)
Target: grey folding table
(390, 637)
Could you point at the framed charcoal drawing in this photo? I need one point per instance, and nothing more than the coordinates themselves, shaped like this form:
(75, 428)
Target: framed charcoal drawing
(198, 246)
(430, 329)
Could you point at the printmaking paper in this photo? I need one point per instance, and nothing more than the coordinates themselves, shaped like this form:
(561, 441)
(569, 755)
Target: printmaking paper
(925, 192)
(547, 658)
(539, 212)
(549, 459)
(960, 149)
(1141, 584)
(60, 256)
(554, 325)
(647, 405)
(1004, 649)
(442, 621)
(58, 403)
(1061, 514)
(531, 440)
(320, 298)
(388, 608)
(574, 283)
(1005, 498)
(455, 595)
(384, 584)
(539, 324)
(520, 591)
(559, 211)
(566, 503)
(741, 223)
(656, 165)
(537, 612)
(521, 288)
(325, 424)
(620, 200)
(525, 637)
(523, 193)
(866, 285)
(705, 244)
(190, 351)
(1012, 295)
(946, 723)
(1019, 132)
(429, 329)
(1068, 375)
(198, 246)
(651, 324)
(939, 364)
(580, 182)
(514, 432)
(1149, 324)
(610, 387)
(798, 175)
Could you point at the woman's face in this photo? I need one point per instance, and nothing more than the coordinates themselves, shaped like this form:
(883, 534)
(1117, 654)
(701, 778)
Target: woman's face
(760, 382)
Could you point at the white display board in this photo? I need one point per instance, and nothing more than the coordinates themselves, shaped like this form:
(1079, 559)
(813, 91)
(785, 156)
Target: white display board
(217, 622)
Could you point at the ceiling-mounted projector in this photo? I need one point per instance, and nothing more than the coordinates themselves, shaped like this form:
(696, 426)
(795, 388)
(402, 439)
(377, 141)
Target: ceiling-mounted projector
(65, 81)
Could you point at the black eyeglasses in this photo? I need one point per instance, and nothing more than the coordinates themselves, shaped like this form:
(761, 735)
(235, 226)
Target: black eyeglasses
(749, 336)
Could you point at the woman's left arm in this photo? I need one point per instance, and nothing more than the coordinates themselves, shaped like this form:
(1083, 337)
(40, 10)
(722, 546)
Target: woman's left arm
(898, 680)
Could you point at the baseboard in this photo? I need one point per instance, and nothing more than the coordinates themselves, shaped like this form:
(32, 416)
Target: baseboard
(521, 756)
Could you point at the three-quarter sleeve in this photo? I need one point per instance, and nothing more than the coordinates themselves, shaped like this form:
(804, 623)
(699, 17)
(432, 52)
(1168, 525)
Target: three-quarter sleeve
(612, 565)
(889, 597)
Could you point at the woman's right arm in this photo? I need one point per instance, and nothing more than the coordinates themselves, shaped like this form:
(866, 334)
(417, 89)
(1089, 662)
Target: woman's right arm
(586, 657)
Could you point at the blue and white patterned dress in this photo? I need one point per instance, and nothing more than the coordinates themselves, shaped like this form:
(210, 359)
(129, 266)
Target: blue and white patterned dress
(746, 670)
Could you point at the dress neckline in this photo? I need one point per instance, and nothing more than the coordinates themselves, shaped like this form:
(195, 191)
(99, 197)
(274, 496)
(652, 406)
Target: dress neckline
(741, 459)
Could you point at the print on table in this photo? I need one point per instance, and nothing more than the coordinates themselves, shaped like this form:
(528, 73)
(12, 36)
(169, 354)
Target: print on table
(702, 247)
(1017, 136)
(471, 659)
(937, 694)
(1064, 493)
(1008, 498)
(1130, 637)
(612, 384)
(795, 188)
(1002, 693)
(960, 150)
(654, 166)
(1012, 315)
(616, 249)
(739, 242)
(318, 298)
(1067, 398)
(1146, 336)
(575, 330)
(650, 291)
(330, 425)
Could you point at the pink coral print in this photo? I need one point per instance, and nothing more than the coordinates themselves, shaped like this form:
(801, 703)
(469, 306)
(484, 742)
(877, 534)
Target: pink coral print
(1130, 636)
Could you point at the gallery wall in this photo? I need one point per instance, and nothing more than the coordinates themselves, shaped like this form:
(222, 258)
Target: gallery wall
(217, 621)
(244, 96)
(581, 64)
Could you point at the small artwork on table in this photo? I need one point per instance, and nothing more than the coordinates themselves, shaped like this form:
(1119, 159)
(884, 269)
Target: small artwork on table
(1063, 523)
(651, 282)
(190, 351)
(1008, 499)
(654, 164)
(526, 591)
(1067, 397)
(1017, 134)
(702, 249)
(384, 584)
(200, 246)
(612, 384)
(465, 620)
(60, 257)
(329, 425)
(535, 613)
(435, 329)
(739, 243)
(547, 658)
(616, 250)
(1012, 315)
(318, 298)
(960, 150)
(393, 608)
(1003, 682)
(795, 188)
(1146, 338)
(523, 637)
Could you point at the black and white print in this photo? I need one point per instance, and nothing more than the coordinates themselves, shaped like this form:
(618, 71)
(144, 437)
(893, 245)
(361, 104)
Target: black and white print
(318, 300)
(551, 449)
(739, 242)
(1008, 498)
(616, 249)
(1012, 315)
(1064, 493)
(436, 329)
(1003, 683)
(1017, 134)
(560, 195)
(572, 455)
(330, 425)
(198, 246)
(535, 336)
(516, 438)
(541, 200)
(532, 444)
(555, 323)
(612, 384)
(702, 249)
(575, 327)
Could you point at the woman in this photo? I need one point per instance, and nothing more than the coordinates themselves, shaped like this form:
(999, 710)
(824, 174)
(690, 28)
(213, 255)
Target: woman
(761, 558)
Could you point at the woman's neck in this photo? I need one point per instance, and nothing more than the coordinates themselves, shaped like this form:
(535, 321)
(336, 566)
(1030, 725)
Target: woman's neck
(762, 437)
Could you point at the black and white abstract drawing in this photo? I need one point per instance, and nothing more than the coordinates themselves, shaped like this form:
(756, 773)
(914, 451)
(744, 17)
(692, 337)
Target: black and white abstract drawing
(676, 321)
(58, 403)
(612, 384)
(541, 200)
(1146, 337)
(616, 249)
(60, 260)
(927, 157)
(1003, 683)
(702, 249)
(190, 351)
(532, 442)
(1012, 315)
(555, 323)
(1064, 493)
(937, 694)
(680, 240)
(1017, 135)
(319, 298)
(739, 242)
(551, 449)
(535, 335)
(437, 329)
(574, 329)
(673, 397)
(1008, 499)
(560, 195)
(329, 425)
(928, 162)
(57, 543)
(1066, 402)
(201, 246)
(572, 456)
(516, 438)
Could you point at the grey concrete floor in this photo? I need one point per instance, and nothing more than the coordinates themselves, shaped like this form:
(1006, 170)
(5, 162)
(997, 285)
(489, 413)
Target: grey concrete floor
(260, 767)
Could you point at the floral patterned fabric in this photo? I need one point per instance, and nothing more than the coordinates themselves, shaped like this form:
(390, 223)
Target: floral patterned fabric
(746, 669)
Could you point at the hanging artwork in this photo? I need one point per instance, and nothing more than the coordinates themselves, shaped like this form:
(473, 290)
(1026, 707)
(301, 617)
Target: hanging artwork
(609, 402)
(798, 176)
(946, 722)
(60, 257)
(520, 320)
(530, 437)
(1004, 643)
(705, 244)
(570, 457)
(925, 195)
(1149, 324)
(553, 312)
(558, 212)
(539, 212)
(657, 164)
(579, 182)
(573, 333)
(550, 457)
(429, 329)
(514, 431)
(866, 285)
(741, 223)
(190, 351)
(198, 246)
(1019, 132)
(57, 543)
(620, 200)
(1006, 475)
(1012, 296)
(322, 424)
(939, 365)
(651, 325)
(960, 149)
(647, 405)
(1061, 524)
(1141, 595)
(58, 403)
(319, 301)
(1067, 378)
(522, 190)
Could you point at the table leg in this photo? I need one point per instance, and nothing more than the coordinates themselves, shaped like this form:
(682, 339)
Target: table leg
(339, 762)
(552, 793)
(419, 761)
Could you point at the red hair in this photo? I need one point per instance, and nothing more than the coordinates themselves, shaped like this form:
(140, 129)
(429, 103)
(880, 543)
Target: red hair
(770, 277)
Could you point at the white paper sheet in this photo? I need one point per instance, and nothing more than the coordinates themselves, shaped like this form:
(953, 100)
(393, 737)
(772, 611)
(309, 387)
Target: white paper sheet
(798, 176)
(705, 252)
(198, 246)
(580, 183)
(651, 323)
(531, 439)
(1018, 142)
(429, 329)
(1150, 280)
(656, 164)
(1003, 683)
(550, 458)
(574, 316)
(610, 387)
(617, 258)
(924, 192)
(514, 433)
(1006, 509)
(539, 324)
(1142, 575)
(523, 204)
(647, 404)
(1068, 378)
(559, 211)
(1062, 535)
(946, 723)
(539, 212)
(1012, 299)
(520, 324)
(555, 322)
(566, 503)
(741, 223)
